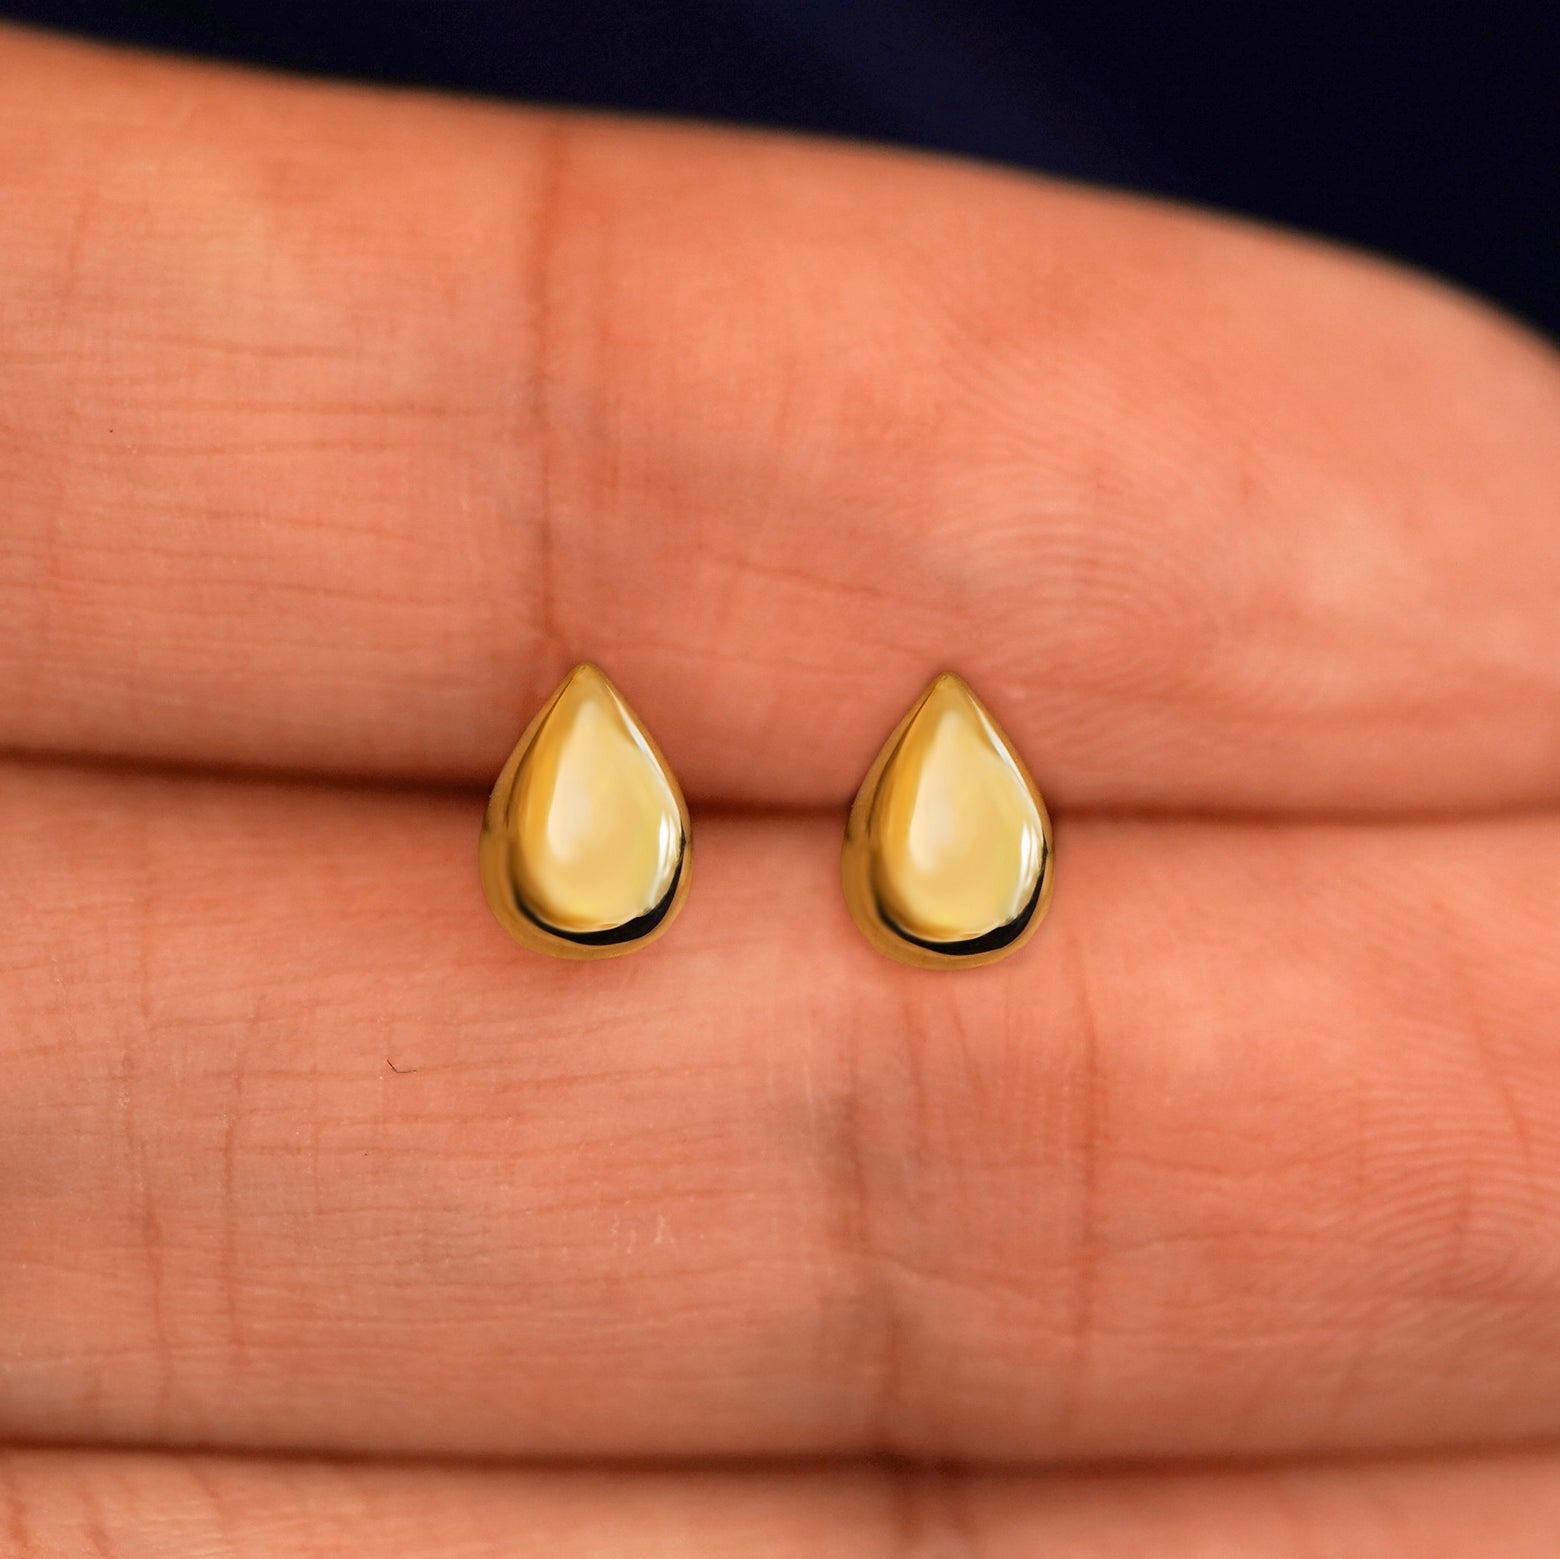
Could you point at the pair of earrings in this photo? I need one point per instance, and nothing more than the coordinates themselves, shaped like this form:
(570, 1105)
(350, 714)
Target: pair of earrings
(585, 846)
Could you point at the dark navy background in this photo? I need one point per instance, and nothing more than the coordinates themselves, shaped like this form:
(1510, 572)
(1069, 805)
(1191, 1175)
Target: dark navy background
(1430, 130)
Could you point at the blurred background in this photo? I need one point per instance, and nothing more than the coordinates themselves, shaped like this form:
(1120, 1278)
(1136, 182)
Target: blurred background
(1429, 131)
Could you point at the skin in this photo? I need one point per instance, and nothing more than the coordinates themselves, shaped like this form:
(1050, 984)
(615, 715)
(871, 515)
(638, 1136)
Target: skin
(335, 425)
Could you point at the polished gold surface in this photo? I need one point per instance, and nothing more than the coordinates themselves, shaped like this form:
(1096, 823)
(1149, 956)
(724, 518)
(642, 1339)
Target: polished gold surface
(948, 859)
(585, 846)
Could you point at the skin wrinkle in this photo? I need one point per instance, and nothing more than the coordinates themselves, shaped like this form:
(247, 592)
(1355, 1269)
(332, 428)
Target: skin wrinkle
(1369, 1328)
(873, 1309)
(929, 1516)
(542, 241)
(201, 1478)
(1088, 1254)
(14, 1506)
(1369, 1325)
(893, 1174)
(130, 1073)
(1454, 962)
(1309, 1535)
(1391, 1510)
(913, 1262)
(1484, 1251)
(229, 1217)
(93, 1530)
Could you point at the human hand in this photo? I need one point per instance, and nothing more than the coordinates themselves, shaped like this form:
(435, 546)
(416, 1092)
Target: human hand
(334, 425)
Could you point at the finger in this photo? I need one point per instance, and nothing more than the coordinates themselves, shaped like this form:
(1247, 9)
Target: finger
(1255, 1150)
(334, 425)
(144, 1506)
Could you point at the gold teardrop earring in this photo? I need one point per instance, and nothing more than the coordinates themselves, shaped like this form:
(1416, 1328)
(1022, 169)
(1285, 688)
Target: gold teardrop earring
(585, 846)
(947, 862)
